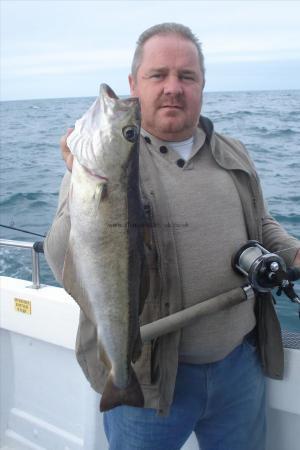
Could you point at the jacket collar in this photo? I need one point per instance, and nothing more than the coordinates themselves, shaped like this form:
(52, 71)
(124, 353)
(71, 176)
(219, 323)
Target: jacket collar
(172, 156)
(228, 153)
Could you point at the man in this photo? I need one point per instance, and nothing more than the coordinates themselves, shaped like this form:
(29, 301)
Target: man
(208, 377)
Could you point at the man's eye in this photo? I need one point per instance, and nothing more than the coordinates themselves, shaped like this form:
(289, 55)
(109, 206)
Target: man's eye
(156, 75)
(187, 77)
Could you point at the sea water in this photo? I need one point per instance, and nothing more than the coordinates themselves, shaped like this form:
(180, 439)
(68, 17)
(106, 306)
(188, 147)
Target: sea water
(268, 123)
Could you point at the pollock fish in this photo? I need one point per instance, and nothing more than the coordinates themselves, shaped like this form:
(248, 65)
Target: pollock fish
(104, 263)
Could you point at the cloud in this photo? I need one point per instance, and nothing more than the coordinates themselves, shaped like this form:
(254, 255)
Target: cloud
(252, 56)
(257, 48)
(72, 62)
(56, 48)
(57, 63)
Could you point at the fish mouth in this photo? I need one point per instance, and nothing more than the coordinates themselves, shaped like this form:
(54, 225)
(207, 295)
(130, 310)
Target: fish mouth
(107, 90)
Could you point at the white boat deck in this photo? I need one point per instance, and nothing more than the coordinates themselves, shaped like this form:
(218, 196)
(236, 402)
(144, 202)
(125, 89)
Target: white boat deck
(46, 402)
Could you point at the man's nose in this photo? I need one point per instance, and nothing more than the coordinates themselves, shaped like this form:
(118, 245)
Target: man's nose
(172, 85)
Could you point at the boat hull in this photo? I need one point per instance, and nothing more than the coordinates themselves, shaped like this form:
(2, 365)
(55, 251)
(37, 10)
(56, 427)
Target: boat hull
(47, 403)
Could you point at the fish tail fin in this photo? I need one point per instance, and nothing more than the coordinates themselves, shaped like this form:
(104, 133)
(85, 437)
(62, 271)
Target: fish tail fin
(112, 396)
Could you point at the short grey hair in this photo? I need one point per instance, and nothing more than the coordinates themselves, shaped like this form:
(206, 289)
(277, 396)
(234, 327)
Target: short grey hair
(165, 29)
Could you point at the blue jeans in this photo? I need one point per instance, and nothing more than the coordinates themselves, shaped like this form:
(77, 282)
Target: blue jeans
(222, 402)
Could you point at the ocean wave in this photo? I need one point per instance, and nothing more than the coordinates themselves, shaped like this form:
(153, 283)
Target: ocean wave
(294, 165)
(269, 133)
(258, 129)
(238, 114)
(268, 122)
(37, 197)
(292, 198)
(293, 114)
(37, 146)
(282, 133)
(290, 218)
(17, 263)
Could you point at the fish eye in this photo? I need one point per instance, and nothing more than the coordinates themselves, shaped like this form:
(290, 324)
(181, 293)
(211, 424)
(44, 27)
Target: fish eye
(130, 133)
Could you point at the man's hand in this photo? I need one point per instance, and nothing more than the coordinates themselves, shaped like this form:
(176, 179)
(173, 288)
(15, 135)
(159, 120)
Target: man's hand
(65, 151)
(297, 259)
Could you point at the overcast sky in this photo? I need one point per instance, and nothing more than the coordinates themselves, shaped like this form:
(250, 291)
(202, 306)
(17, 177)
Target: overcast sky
(55, 48)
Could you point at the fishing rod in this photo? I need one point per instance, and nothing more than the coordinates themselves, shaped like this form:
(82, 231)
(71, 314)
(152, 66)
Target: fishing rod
(22, 231)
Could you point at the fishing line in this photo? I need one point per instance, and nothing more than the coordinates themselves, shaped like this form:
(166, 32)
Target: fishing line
(285, 249)
(22, 231)
(43, 235)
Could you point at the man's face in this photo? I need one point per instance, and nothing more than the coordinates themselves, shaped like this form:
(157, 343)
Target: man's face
(169, 84)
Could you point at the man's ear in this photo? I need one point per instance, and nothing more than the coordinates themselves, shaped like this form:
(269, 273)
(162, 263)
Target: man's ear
(132, 85)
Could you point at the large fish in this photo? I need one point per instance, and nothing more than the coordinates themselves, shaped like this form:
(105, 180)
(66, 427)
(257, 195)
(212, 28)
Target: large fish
(104, 261)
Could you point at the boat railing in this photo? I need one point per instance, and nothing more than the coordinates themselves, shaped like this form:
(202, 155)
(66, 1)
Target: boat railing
(36, 248)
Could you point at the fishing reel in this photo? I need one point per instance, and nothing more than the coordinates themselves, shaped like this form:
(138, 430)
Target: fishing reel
(266, 271)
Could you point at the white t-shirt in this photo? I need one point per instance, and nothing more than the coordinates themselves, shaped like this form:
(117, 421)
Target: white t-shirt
(183, 148)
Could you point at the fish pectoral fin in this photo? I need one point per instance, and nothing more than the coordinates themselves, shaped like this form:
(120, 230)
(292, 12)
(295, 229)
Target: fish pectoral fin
(112, 396)
(100, 193)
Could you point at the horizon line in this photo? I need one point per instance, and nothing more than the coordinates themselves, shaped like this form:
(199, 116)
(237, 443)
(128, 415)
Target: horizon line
(127, 95)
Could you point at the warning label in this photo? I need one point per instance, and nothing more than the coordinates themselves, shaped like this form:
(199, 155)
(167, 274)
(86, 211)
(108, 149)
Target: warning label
(23, 306)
